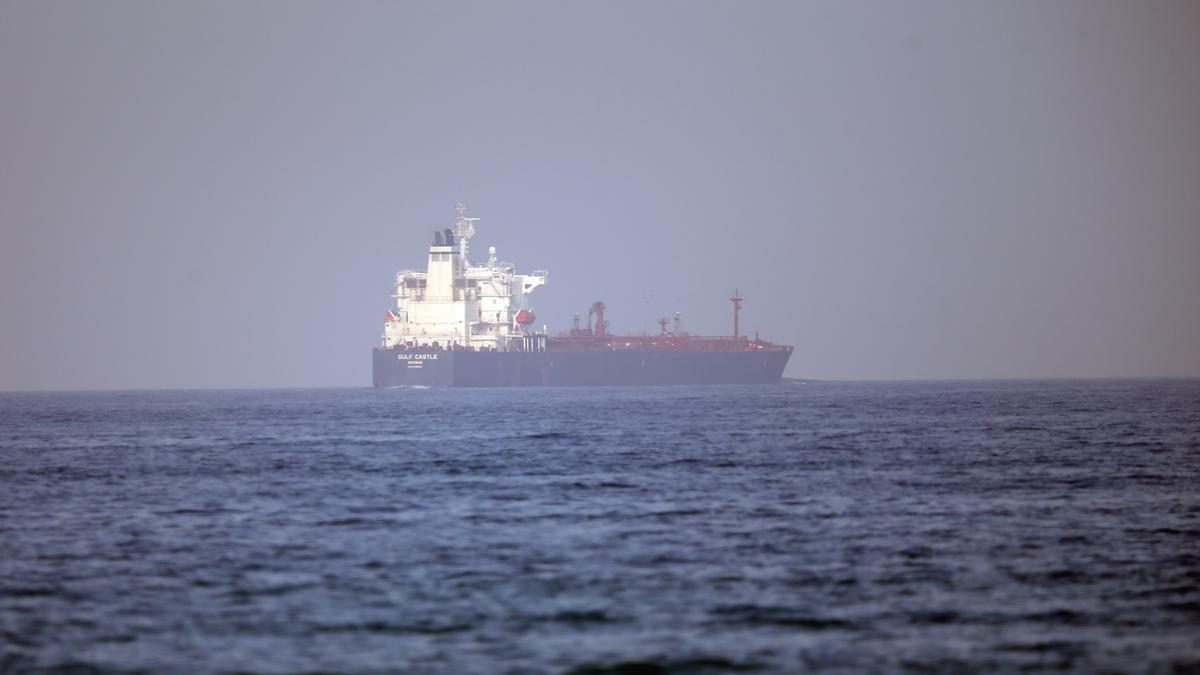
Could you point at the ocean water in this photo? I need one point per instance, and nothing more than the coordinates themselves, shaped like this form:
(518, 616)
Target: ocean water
(827, 527)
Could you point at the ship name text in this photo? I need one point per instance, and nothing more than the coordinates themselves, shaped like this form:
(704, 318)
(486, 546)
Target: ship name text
(418, 357)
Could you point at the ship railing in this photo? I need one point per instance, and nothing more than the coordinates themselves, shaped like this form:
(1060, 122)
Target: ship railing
(667, 343)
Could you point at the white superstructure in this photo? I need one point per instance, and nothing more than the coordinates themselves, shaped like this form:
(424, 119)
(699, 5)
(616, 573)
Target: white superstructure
(455, 304)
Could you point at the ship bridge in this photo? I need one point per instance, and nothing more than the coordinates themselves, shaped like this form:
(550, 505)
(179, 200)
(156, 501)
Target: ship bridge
(455, 304)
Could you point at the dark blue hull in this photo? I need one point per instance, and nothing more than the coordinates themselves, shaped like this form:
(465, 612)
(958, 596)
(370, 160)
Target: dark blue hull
(400, 368)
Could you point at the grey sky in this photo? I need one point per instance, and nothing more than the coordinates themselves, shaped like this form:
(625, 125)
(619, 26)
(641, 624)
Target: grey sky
(199, 194)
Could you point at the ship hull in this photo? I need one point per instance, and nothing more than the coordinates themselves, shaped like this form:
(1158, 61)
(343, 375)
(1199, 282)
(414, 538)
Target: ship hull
(411, 368)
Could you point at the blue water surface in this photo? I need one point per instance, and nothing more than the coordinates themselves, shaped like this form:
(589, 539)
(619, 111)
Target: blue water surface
(833, 527)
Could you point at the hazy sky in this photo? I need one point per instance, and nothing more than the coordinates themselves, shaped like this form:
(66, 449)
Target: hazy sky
(218, 194)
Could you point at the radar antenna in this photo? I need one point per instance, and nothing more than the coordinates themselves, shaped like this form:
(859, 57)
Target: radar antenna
(464, 229)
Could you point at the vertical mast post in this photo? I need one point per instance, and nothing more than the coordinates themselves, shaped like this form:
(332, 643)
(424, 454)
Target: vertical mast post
(737, 309)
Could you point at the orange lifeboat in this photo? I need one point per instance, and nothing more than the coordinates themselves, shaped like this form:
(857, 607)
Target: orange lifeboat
(524, 317)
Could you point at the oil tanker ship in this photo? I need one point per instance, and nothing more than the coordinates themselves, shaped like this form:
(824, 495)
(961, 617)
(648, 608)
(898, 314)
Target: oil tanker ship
(461, 324)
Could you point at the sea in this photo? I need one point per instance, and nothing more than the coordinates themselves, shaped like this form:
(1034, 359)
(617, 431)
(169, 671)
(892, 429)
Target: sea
(833, 527)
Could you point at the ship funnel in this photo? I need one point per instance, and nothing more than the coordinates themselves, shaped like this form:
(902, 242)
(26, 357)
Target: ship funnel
(437, 238)
(449, 237)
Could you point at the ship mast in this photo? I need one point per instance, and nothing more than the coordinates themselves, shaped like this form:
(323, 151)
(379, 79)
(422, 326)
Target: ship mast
(464, 229)
(737, 309)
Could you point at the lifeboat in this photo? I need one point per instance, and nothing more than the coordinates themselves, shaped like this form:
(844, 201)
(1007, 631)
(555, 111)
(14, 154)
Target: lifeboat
(524, 317)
